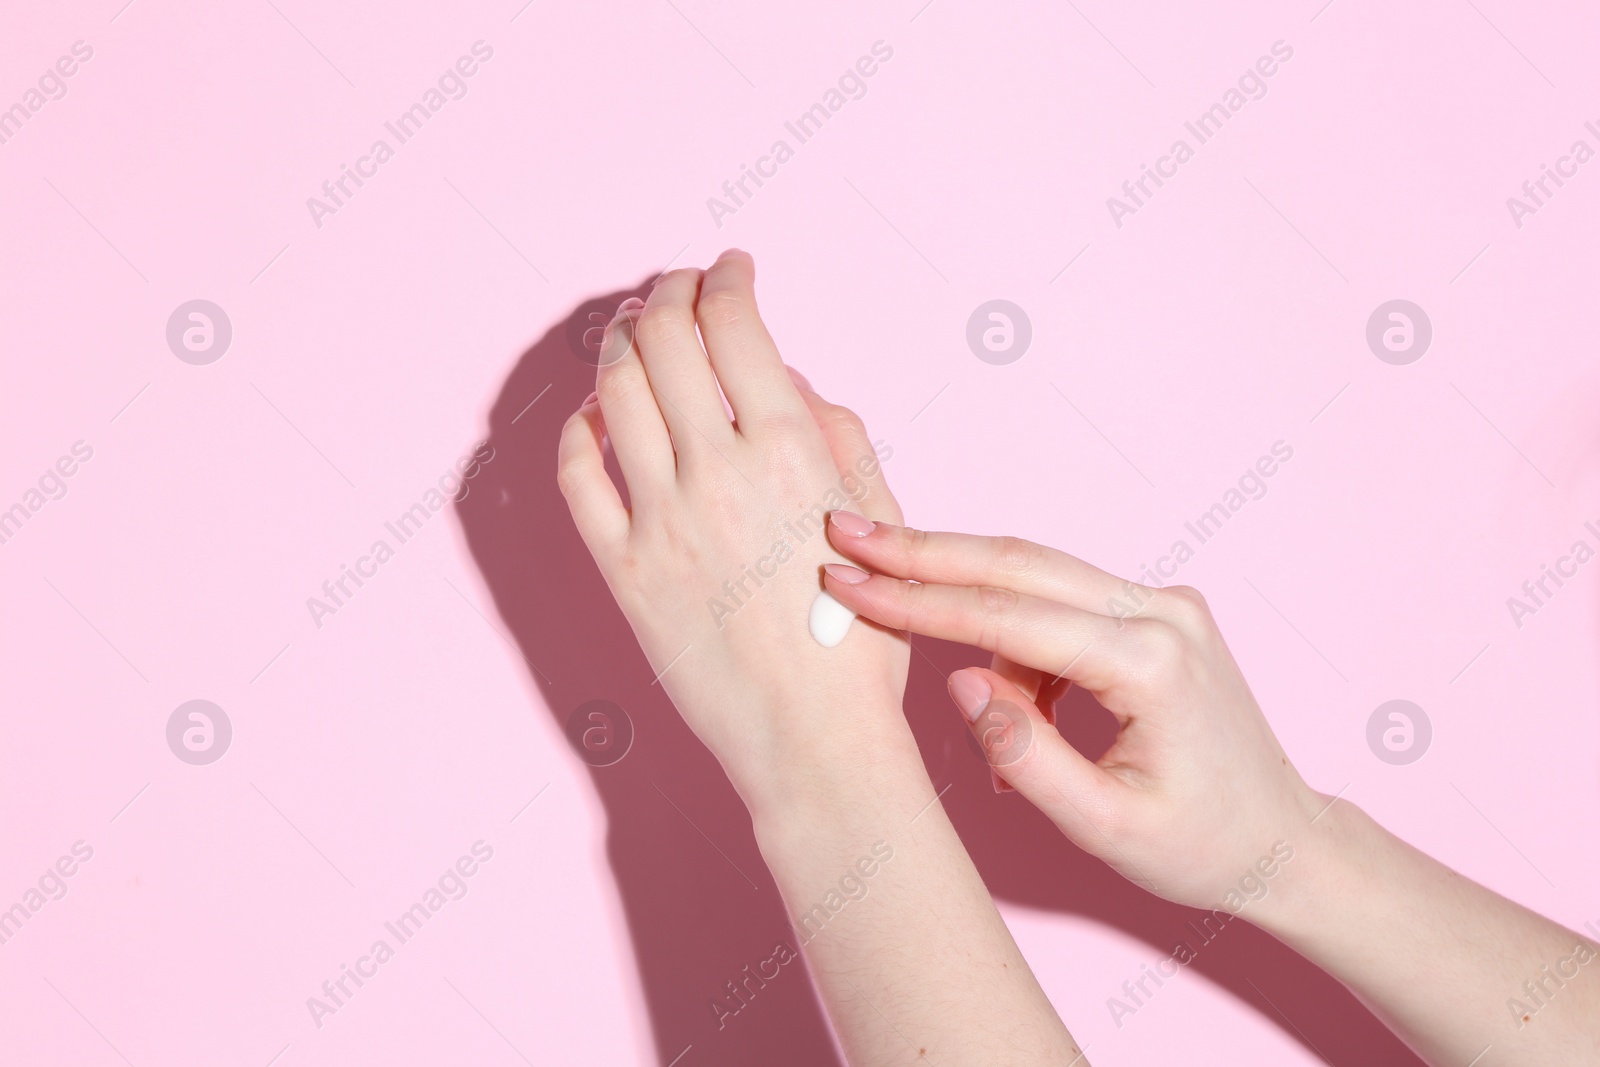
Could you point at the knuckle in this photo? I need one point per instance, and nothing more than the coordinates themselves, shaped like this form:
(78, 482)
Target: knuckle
(996, 600)
(914, 546)
(721, 308)
(995, 605)
(662, 324)
(1015, 556)
(910, 605)
(836, 417)
(1159, 643)
(787, 425)
(619, 381)
(1188, 594)
(571, 476)
(569, 479)
(1186, 609)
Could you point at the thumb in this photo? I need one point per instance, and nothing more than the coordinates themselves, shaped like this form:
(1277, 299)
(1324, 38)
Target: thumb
(1026, 752)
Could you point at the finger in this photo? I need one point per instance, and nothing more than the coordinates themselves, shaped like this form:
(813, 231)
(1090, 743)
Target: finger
(1057, 639)
(1050, 693)
(1024, 678)
(591, 495)
(680, 376)
(968, 559)
(1029, 680)
(742, 352)
(631, 416)
(860, 470)
(1028, 754)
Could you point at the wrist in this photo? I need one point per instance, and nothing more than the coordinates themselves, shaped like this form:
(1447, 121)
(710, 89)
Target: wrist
(1325, 874)
(830, 760)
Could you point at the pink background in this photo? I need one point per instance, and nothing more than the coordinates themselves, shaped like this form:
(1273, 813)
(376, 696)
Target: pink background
(369, 354)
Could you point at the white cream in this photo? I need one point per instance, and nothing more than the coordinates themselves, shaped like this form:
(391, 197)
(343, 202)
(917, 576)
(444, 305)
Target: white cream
(830, 620)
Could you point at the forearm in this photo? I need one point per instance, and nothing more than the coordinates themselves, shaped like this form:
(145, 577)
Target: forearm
(1450, 966)
(906, 947)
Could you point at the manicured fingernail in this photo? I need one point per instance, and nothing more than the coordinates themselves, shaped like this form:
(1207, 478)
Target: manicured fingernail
(630, 303)
(799, 379)
(848, 575)
(850, 524)
(590, 399)
(971, 692)
(999, 783)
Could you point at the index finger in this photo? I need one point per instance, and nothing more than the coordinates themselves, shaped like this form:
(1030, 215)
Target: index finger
(968, 559)
(1056, 639)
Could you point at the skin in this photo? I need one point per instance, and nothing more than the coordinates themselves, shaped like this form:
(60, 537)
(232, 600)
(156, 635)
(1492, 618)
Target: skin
(1196, 795)
(813, 739)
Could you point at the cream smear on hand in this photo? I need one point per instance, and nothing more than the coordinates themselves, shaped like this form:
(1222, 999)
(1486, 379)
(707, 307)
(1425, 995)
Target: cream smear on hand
(830, 620)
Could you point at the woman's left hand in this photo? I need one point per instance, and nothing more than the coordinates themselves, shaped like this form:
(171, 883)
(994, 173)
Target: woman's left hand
(715, 560)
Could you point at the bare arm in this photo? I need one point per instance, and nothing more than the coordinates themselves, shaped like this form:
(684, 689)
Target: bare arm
(910, 955)
(1462, 974)
(715, 561)
(1197, 800)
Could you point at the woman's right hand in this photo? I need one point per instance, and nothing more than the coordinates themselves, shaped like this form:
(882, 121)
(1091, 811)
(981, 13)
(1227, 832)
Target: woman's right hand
(1195, 794)
(1197, 801)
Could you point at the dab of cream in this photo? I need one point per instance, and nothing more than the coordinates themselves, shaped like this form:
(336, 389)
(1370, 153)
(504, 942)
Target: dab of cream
(830, 620)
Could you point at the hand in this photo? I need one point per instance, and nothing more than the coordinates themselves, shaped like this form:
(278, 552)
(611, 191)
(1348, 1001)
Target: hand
(715, 559)
(1194, 792)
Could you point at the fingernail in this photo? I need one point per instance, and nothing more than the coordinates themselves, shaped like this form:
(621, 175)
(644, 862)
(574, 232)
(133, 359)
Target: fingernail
(971, 692)
(590, 399)
(848, 575)
(799, 379)
(850, 524)
(999, 783)
(630, 303)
